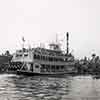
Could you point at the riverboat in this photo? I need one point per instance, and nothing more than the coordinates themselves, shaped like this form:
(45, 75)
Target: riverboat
(43, 61)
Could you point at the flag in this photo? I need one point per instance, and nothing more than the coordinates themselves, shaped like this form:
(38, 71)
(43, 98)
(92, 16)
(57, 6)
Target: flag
(23, 39)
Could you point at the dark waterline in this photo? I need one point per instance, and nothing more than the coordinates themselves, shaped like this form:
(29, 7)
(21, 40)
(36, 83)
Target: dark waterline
(14, 87)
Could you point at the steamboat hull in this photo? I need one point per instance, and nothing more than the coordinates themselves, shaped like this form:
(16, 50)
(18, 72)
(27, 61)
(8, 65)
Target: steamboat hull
(27, 73)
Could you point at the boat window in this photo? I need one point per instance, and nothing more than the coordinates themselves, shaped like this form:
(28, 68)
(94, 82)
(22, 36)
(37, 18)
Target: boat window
(66, 59)
(53, 67)
(20, 51)
(50, 59)
(46, 58)
(43, 57)
(61, 59)
(18, 55)
(38, 57)
(62, 67)
(25, 55)
(36, 66)
(57, 67)
(56, 59)
(35, 56)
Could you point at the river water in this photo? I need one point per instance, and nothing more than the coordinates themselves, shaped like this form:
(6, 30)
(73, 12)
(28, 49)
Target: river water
(14, 87)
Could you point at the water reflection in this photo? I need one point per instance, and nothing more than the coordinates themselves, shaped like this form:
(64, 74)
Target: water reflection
(14, 87)
(42, 87)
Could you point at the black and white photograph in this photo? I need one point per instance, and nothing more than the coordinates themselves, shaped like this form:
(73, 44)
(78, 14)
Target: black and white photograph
(49, 49)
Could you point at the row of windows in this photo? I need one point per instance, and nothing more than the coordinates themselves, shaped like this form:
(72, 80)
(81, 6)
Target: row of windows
(52, 67)
(48, 58)
(20, 55)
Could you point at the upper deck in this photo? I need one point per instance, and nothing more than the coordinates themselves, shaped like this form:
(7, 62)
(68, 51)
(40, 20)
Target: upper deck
(41, 55)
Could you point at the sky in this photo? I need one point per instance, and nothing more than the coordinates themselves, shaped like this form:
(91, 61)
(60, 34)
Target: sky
(40, 20)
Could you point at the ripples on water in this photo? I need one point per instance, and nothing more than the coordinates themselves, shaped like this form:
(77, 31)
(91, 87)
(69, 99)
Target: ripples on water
(13, 87)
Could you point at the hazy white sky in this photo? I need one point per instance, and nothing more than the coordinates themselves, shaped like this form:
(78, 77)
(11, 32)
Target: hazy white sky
(40, 20)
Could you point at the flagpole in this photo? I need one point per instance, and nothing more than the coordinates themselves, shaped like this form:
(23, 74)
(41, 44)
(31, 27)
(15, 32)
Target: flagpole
(23, 40)
(23, 43)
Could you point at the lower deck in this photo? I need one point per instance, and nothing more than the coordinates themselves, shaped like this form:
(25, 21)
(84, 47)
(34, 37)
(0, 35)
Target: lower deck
(40, 68)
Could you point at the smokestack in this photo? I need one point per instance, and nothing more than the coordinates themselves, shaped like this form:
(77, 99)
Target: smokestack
(67, 45)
